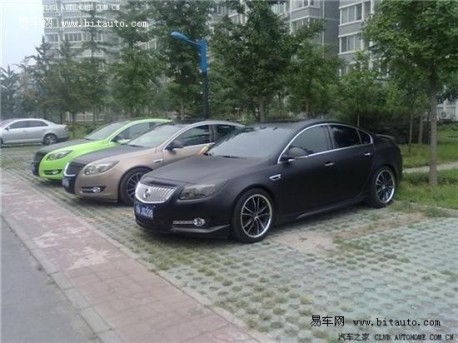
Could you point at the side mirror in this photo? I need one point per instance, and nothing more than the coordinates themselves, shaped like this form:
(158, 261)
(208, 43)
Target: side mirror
(292, 153)
(7, 128)
(176, 144)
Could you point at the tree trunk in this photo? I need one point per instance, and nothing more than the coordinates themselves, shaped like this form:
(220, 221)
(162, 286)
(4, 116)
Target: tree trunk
(420, 130)
(410, 131)
(262, 116)
(433, 120)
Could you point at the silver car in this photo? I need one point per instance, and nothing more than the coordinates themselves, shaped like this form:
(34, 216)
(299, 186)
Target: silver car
(31, 130)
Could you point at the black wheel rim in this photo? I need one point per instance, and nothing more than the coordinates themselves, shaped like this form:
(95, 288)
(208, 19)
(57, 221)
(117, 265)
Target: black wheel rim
(132, 184)
(256, 216)
(384, 186)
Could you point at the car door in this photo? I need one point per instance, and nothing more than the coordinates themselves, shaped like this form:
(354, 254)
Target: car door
(353, 156)
(36, 130)
(304, 183)
(187, 143)
(16, 132)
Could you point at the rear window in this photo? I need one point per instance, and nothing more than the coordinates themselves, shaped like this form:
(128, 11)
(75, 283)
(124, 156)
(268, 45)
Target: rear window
(344, 136)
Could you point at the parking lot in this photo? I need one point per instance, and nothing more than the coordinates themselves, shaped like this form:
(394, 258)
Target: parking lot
(383, 265)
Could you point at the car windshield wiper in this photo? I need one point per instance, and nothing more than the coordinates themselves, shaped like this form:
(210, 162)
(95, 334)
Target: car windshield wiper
(136, 145)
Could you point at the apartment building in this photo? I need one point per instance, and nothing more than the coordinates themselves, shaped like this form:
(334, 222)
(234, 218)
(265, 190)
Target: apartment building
(353, 14)
(296, 14)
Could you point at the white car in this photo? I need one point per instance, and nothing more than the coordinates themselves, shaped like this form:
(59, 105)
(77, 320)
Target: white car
(31, 130)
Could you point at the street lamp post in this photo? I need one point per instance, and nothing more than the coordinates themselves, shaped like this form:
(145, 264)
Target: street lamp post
(201, 47)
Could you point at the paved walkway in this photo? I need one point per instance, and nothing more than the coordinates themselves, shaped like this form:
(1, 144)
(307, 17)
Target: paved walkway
(120, 299)
(425, 169)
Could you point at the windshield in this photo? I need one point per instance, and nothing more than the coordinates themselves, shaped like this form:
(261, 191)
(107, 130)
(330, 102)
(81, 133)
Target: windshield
(105, 131)
(155, 136)
(3, 123)
(251, 142)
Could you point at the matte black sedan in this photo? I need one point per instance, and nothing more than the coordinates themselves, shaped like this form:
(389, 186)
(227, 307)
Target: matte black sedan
(267, 174)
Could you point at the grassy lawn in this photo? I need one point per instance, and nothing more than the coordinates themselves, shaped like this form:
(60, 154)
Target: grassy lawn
(447, 148)
(414, 188)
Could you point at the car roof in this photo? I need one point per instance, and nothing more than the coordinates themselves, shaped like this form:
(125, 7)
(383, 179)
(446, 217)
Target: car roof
(296, 125)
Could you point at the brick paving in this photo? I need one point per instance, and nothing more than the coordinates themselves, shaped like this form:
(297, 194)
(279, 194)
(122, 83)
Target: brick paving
(117, 295)
(358, 263)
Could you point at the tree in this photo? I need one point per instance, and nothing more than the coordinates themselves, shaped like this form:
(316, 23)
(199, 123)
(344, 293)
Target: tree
(257, 54)
(312, 78)
(427, 44)
(9, 81)
(190, 17)
(67, 84)
(138, 69)
(361, 93)
(39, 96)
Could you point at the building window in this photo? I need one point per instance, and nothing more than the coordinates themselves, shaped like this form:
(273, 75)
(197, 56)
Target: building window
(296, 4)
(73, 37)
(350, 43)
(52, 38)
(351, 14)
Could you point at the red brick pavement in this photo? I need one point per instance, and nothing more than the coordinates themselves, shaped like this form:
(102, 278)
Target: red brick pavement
(114, 292)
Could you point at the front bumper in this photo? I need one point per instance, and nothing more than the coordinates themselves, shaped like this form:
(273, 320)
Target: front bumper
(179, 217)
(52, 170)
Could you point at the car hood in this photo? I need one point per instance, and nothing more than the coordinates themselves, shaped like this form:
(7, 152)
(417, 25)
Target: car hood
(203, 169)
(48, 148)
(106, 153)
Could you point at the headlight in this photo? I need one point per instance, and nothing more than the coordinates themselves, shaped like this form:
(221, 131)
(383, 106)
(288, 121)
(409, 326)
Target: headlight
(98, 168)
(58, 155)
(198, 191)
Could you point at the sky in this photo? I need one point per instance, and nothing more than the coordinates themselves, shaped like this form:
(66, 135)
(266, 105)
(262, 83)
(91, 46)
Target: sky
(21, 29)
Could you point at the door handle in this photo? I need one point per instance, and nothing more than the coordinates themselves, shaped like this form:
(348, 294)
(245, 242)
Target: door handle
(368, 154)
(158, 160)
(329, 164)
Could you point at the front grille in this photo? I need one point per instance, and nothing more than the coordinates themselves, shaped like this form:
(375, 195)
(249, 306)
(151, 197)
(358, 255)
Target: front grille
(153, 194)
(38, 156)
(73, 168)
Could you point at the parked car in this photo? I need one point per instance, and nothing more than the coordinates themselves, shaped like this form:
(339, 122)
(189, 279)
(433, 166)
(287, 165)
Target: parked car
(266, 174)
(31, 130)
(49, 162)
(112, 174)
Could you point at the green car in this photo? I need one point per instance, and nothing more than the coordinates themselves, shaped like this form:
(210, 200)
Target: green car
(49, 162)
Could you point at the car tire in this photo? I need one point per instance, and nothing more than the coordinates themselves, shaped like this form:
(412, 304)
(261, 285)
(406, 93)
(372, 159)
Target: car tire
(128, 183)
(49, 139)
(253, 216)
(382, 188)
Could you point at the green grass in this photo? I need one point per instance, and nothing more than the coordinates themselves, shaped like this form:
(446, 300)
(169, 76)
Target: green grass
(415, 188)
(447, 149)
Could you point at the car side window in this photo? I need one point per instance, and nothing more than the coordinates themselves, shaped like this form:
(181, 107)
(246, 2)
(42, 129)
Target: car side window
(195, 136)
(222, 130)
(312, 141)
(36, 123)
(133, 131)
(365, 137)
(19, 125)
(344, 136)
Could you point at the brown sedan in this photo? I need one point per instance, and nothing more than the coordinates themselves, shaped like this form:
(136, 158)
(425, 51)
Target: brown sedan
(112, 174)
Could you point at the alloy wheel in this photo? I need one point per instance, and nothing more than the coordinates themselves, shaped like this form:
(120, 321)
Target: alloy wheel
(256, 216)
(384, 186)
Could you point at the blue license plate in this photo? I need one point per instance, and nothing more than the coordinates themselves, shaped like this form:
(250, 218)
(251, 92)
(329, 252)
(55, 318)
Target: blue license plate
(144, 211)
